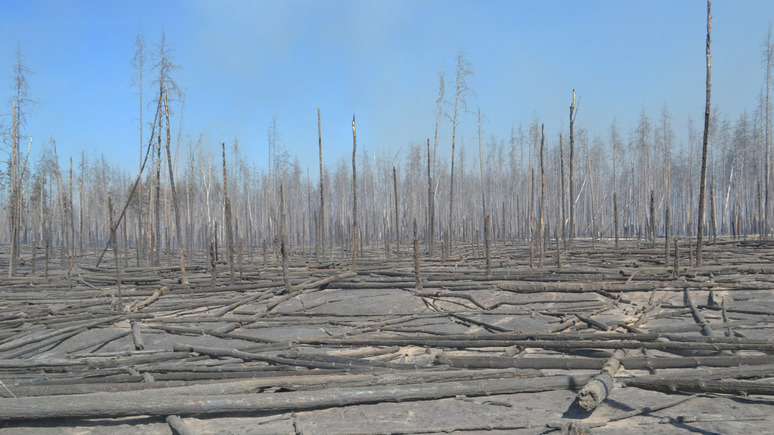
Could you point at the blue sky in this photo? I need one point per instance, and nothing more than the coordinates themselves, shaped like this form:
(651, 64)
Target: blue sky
(244, 63)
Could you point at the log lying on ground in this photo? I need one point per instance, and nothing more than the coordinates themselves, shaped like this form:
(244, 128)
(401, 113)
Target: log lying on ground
(109, 405)
(475, 342)
(741, 388)
(630, 363)
(596, 391)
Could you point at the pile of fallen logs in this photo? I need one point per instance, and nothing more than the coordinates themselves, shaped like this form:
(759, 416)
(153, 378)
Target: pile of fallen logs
(340, 336)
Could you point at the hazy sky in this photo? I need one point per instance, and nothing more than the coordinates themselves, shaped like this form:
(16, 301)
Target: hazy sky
(244, 63)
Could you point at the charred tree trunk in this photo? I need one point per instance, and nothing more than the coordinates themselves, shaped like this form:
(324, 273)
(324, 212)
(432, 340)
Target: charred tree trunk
(322, 187)
(573, 113)
(355, 240)
(114, 242)
(178, 230)
(283, 241)
(397, 212)
(229, 228)
(430, 206)
(541, 225)
(703, 182)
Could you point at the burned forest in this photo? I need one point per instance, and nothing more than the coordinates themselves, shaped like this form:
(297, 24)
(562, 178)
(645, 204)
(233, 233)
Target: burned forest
(551, 279)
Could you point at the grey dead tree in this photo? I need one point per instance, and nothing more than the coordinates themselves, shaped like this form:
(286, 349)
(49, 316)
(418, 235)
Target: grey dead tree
(615, 142)
(768, 60)
(322, 227)
(563, 196)
(178, 229)
(461, 90)
(573, 114)
(541, 212)
(354, 195)
(138, 62)
(283, 242)
(166, 85)
(227, 211)
(703, 179)
(432, 178)
(19, 102)
(397, 212)
(487, 218)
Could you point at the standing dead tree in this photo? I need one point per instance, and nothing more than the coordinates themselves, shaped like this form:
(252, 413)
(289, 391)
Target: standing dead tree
(541, 225)
(19, 101)
(397, 212)
(768, 56)
(703, 182)
(114, 242)
(138, 62)
(573, 114)
(178, 229)
(134, 186)
(354, 194)
(321, 232)
(461, 89)
(430, 188)
(283, 241)
(15, 212)
(227, 210)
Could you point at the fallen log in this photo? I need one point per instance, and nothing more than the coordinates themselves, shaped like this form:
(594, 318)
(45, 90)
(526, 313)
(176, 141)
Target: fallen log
(149, 402)
(597, 390)
(464, 343)
(178, 425)
(740, 388)
(629, 363)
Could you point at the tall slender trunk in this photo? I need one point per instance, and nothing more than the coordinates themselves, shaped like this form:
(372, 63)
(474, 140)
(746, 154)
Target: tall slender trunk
(397, 213)
(157, 196)
(283, 241)
(114, 242)
(541, 239)
(563, 196)
(227, 212)
(573, 113)
(178, 230)
(430, 206)
(14, 206)
(322, 187)
(355, 239)
(703, 183)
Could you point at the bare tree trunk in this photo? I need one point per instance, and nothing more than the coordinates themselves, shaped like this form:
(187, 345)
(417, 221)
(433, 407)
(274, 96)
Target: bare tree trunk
(229, 229)
(114, 241)
(14, 212)
(397, 212)
(322, 187)
(541, 228)
(532, 219)
(213, 265)
(563, 196)
(178, 230)
(767, 144)
(573, 113)
(652, 229)
(488, 244)
(430, 206)
(667, 213)
(283, 242)
(355, 239)
(713, 218)
(417, 274)
(157, 197)
(703, 184)
(615, 217)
